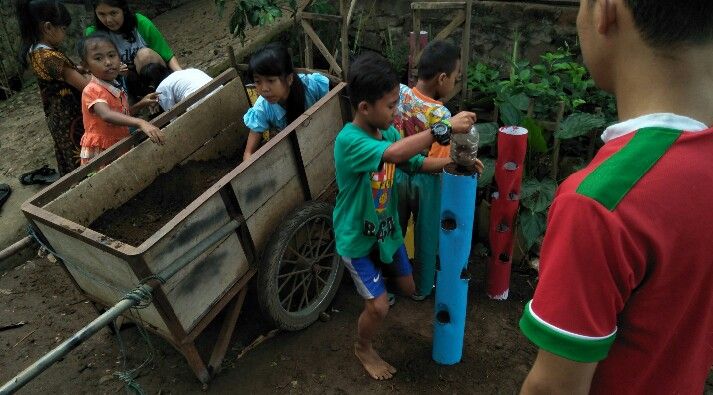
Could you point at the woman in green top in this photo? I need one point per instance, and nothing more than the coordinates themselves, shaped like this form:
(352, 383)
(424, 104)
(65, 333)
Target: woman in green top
(137, 38)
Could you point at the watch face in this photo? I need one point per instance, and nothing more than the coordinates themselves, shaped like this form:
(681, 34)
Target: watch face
(440, 128)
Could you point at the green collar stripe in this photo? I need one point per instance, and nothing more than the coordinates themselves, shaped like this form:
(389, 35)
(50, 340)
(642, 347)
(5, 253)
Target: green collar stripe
(559, 343)
(614, 178)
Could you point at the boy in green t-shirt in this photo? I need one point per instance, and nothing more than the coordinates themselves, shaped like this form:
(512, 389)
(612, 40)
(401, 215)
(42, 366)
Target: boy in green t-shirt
(366, 221)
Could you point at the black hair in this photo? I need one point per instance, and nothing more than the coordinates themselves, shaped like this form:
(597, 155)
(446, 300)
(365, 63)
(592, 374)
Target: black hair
(31, 14)
(152, 74)
(371, 76)
(97, 36)
(438, 57)
(273, 60)
(665, 23)
(127, 29)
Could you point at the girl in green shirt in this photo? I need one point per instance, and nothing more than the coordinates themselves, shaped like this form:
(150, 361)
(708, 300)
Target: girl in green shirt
(137, 38)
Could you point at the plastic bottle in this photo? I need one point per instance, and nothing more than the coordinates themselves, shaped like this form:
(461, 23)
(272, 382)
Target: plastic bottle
(464, 147)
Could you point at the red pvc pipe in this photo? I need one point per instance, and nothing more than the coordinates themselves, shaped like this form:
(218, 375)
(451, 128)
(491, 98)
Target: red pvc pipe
(512, 147)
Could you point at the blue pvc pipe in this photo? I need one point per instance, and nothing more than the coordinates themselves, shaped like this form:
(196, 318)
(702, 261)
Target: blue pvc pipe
(455, 235)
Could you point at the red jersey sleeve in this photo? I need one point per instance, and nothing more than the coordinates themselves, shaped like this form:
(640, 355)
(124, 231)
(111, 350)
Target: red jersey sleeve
(589, 265)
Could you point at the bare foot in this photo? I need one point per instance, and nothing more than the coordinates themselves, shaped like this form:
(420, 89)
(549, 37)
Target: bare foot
(377, 368)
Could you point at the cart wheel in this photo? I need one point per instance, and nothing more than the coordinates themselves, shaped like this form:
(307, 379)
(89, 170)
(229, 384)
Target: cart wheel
(301, 270)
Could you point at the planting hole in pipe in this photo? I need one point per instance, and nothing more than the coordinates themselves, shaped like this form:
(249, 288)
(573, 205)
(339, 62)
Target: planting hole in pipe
(503, 228)
(465, 274)
(514, 196)
(448, 222)
(510, 166)
(504, 258)
(443, 317)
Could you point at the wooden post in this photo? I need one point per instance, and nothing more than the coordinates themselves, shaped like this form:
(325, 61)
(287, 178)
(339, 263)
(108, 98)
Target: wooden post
(231, 56)
(455, 22)
(226, 332)
(463, 16)
(309, 56)
(556, 148)
(346, 20)
(465, 54)
(417, 32)
(320, 46)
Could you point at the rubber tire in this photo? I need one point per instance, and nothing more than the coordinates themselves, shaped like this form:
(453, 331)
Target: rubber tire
(268, 297)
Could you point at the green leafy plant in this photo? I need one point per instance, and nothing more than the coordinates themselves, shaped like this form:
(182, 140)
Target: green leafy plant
(532, 95)
(254, 13)
(579, 124)
(532, 226)
(487, 133)
(322, 7)
(397, 54)
(535, 198)
(486, 178)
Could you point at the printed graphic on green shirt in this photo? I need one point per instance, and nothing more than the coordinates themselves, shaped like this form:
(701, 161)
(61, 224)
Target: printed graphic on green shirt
(381, 190)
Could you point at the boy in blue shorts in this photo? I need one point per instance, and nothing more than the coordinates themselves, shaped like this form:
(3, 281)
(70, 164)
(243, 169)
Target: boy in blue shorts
(366, 221)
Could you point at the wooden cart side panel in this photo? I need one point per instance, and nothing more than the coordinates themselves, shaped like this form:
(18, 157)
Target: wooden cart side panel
(320, 171)
(317, 129)
(198, 286)
(258, 183)
(267, 218)
(228, 143)
(264, 223)
(320, 129)
(197, 226)
(114, 185)
(316, 140)
(100, 264)
(105, 277)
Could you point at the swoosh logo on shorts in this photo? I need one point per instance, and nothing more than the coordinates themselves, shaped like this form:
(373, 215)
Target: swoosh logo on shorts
(376, 278)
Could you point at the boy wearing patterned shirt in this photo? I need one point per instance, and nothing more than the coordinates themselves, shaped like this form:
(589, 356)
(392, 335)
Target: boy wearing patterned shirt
(366, 153)
(624, 301)
(419, 193)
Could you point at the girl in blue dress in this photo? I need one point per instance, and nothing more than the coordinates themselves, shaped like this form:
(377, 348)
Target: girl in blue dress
(284, 94)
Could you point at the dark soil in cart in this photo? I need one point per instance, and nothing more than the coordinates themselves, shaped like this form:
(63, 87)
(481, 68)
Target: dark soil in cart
(143, 215)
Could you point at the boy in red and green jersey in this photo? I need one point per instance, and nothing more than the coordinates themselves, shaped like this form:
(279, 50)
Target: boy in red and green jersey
(624, 301)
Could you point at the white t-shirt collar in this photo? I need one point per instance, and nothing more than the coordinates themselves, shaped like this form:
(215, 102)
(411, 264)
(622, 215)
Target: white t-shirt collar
(660, 120)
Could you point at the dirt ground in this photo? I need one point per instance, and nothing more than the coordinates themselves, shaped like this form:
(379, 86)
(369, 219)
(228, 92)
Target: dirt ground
(316, 360)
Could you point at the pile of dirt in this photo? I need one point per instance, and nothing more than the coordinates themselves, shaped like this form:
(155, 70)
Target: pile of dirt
(152, 208)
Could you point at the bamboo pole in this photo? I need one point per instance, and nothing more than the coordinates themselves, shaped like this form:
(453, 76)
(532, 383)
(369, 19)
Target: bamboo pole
(15, 248)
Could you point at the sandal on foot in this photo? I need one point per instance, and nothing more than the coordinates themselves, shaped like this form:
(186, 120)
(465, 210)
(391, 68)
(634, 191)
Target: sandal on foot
(391, 298)
(42, 176)
(418, 297)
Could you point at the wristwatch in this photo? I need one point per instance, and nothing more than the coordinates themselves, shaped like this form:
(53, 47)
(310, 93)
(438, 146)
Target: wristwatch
(441, 132)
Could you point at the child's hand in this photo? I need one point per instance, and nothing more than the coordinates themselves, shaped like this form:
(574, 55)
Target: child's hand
(479, 166)
(149, 100)
(462, 122)
(155, 134)
(123, 69)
